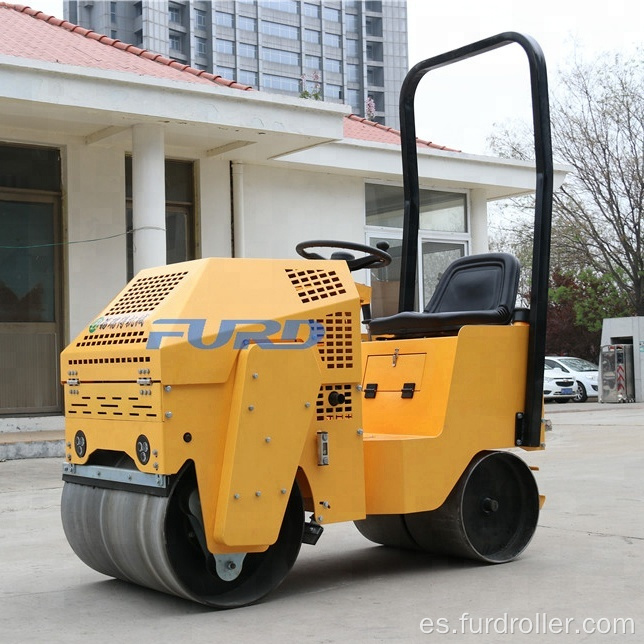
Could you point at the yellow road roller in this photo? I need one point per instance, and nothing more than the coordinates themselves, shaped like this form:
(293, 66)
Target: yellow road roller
(221, 412)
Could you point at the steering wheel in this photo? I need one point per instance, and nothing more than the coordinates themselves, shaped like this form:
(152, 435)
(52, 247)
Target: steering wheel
(375, 257)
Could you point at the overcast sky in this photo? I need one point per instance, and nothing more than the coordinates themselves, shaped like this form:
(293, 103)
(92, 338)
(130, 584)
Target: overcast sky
(458, 106)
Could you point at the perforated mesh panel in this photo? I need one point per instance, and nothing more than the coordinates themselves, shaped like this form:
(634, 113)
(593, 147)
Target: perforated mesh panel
(315, 284)
(146, 293)
(110, 360)
(336, 349)
(123, 407)
(118, 337)
(340, 411)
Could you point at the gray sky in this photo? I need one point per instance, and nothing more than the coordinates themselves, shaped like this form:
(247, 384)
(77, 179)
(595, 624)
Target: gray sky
(458, 106)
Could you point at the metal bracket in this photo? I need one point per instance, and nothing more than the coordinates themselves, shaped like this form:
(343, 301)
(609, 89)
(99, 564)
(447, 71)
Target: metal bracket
(519, 428)
(370, 390)
(229, 566)
(323, 448)
(408, 390)
(312, 532)
(117, 478)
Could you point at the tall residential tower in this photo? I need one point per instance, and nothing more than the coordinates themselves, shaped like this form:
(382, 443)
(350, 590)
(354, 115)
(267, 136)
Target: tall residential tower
(344, 51)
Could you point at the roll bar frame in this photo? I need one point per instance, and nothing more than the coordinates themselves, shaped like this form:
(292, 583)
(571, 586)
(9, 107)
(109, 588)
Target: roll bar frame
(527, 422)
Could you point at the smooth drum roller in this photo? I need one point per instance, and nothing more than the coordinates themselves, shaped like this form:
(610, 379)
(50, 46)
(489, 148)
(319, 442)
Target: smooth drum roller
(490, 515)
(158, 542)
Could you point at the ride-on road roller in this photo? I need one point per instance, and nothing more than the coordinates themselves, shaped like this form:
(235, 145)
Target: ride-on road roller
(221, 412)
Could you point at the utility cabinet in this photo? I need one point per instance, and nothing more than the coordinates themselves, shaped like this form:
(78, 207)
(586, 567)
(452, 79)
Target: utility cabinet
(616, 376)
(621, 360)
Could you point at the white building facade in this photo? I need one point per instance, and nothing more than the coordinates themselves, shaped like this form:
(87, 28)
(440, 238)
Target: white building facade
(105, 171)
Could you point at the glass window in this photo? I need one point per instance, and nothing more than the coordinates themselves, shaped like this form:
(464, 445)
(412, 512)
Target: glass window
(280, 56)
(200, 19)
(247, 77)
(311, 35)
(375, 76)
(436, 257)
(353, 48)
(246, 24)
(313, 62)
(311, 10)
(376, 5)
(226, 72)
(174, 13)
(225, 46)
(247, 50)
(351, 22)
(223, 19)
(332, 40)
(282, 83)
(333, 15)
(332, 92)
(113, 12)
(176, 41)
(373, 26)
(439, 211)
(29, 168)
(374, 51)
(354, 99)
(27, 262)
(332, 65)
(200, 46)
(353, 73)
(288, 6)
(277, 29)
(385, 282)
(378, 101)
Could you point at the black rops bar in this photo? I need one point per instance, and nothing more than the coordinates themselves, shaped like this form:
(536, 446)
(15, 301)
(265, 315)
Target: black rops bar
(528, 424)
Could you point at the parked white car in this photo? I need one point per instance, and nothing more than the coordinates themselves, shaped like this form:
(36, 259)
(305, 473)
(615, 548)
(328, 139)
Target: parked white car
(558, 385)
(585, 374)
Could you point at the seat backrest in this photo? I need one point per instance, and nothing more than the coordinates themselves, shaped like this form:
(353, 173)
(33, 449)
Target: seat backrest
(477, 289)
(486, 282)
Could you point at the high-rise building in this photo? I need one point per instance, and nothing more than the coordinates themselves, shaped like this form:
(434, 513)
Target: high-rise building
(344, 51)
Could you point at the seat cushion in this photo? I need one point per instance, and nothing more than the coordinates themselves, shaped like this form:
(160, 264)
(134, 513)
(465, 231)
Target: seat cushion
(411, 324)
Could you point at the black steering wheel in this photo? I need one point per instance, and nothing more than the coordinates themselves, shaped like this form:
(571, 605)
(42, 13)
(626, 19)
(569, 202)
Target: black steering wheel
(375, 257)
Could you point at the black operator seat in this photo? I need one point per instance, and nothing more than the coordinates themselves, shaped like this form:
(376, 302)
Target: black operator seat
(477, 289)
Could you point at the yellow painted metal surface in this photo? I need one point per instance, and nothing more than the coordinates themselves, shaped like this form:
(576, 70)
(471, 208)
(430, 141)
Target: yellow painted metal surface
(391, 372)
(472, 387)
(160, 361)
(271, 413)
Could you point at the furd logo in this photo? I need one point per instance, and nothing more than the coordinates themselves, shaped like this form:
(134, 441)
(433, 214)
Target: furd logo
(272, 335)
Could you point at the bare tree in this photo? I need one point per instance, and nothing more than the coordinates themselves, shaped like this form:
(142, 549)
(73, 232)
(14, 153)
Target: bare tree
(598, 129)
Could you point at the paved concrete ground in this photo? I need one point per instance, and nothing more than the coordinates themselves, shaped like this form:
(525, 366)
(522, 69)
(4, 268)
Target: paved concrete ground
(586, 562)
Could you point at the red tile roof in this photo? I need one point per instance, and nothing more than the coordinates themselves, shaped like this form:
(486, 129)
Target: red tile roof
(356, 127)
(28, 33)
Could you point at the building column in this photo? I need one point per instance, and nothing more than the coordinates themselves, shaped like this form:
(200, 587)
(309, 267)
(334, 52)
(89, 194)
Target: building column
(478, 222)
(148, 196)
(239, 238)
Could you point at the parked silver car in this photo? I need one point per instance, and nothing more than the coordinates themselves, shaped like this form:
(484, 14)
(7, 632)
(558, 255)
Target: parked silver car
(585, 374)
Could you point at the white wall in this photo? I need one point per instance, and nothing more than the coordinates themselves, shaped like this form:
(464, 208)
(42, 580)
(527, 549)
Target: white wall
(213, 211)
(283, 207)
(93, 207)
